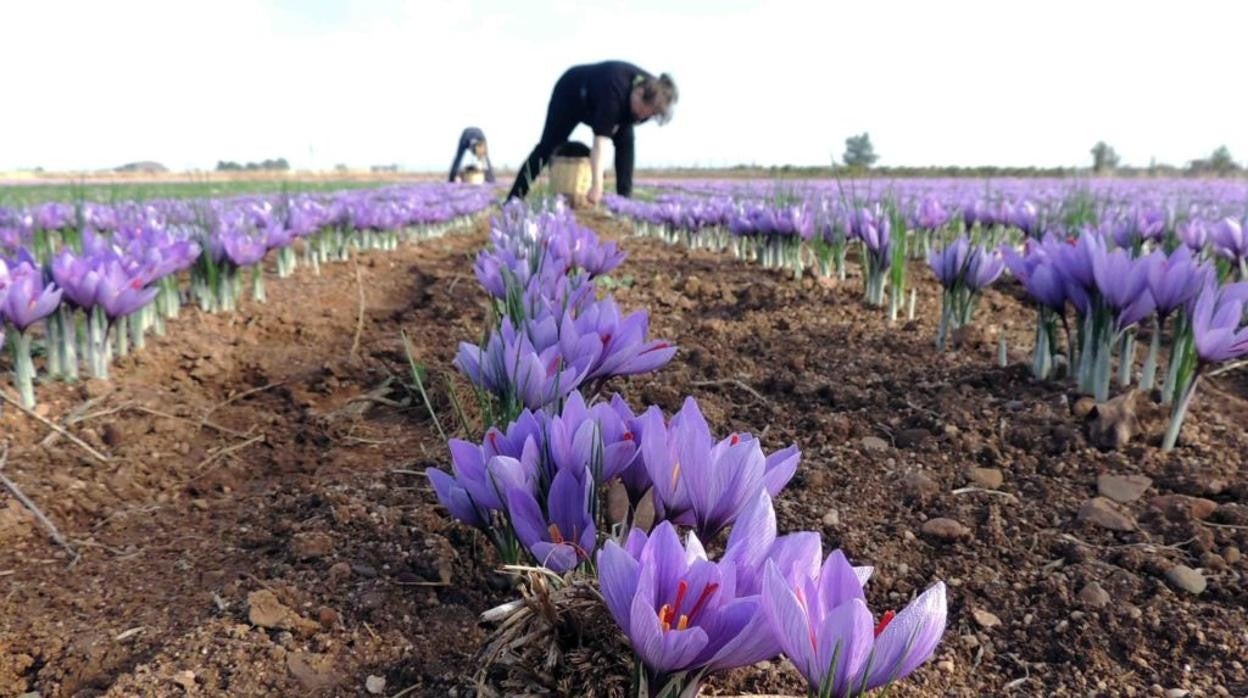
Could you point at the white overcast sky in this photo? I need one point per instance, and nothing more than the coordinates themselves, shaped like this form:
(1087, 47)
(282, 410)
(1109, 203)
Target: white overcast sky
(94, 84)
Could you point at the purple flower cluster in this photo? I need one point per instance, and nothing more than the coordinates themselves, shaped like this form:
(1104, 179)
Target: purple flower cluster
(115, 269)
(554, 335)
(535, 486)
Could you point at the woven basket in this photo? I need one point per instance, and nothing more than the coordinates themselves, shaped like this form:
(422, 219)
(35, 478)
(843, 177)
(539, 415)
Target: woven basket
(571, 177)
(472, 177)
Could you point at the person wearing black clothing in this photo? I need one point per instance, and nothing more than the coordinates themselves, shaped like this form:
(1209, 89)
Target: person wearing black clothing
(609, 97)
(472, 142)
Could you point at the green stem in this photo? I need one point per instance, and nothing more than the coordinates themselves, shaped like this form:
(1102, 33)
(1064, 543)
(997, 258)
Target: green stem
(1179, 414)
(1148, 375)
(24, 368)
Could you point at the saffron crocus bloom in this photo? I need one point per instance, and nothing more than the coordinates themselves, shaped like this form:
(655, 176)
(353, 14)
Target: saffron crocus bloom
(120, 294)
(1174, 280)
(1217, 322)
(24, 297)
(680, 611)
(701, 482)
(1037, 270)
(242, 249)
(511, 367)
(827, 631)
(624, 349)
(564, 536)
(1229, 239)
(949, 263)
(1123, 284)
(1194, 234)
(982, 268)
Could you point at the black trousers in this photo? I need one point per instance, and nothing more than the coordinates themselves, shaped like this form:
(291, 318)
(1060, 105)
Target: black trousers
(562, 116)
(561, 119)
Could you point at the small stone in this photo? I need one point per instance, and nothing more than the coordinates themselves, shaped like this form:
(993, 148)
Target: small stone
(310, 545)
(339, 573)
(874, 443)
(988, 478)
(1093, 595)
(200, 503)
(1232, 555)
(985, 619)
(909, 438)
(943, 529)
(1122, 488)
(1177, 693)
(375, 685)
(1113, 423)
(1181, 507)
(832, 518)
(364, 569)
(111, 435)
(1101, 512)
(314, 671)
(1187, 579)
(1082, 407)
(1212, 561)
(919, 485)
(97, 387)
(265, 611)
(970, 642)
(945, 665)
(327, 617)
(185, 679)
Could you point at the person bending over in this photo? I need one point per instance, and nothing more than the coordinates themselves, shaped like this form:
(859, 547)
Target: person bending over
(472, 144)
(609, 97)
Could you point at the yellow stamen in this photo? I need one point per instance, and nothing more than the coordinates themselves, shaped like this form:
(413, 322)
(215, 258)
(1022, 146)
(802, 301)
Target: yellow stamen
(684, 623)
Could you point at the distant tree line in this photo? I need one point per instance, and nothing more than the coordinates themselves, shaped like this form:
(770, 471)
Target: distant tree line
(860, 156)
(279, 164)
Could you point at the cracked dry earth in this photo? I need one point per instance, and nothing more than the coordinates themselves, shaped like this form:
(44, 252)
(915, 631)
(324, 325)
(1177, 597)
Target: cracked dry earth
(261, 527)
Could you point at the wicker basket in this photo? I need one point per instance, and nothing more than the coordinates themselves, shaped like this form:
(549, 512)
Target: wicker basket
(571, 177)
(472, 177)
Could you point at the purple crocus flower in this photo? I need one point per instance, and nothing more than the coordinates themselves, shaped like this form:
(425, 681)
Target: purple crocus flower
(982, 268)
(827, 631)
(949, 263)
(1123, 284)
(1217, 322)
(563, 537)
(1174, 280)
(1194, 234)
(753, 541)
(680, 611)
(511, 365)
(624, 349)
(24, 297)
(698, 481)
(119, 293)
(1038, 271)
(242, 249)
(1229, 240)
(931, 215)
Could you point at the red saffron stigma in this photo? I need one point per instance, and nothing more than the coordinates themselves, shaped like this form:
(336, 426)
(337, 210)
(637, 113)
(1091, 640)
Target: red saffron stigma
(884, 621)
(628, 436)
(556, 537)
(734, 440)
(707, 591)
(681, 588)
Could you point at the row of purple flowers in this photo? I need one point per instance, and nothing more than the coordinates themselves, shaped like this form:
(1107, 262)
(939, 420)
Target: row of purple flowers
(535, 485)
(81, 284)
